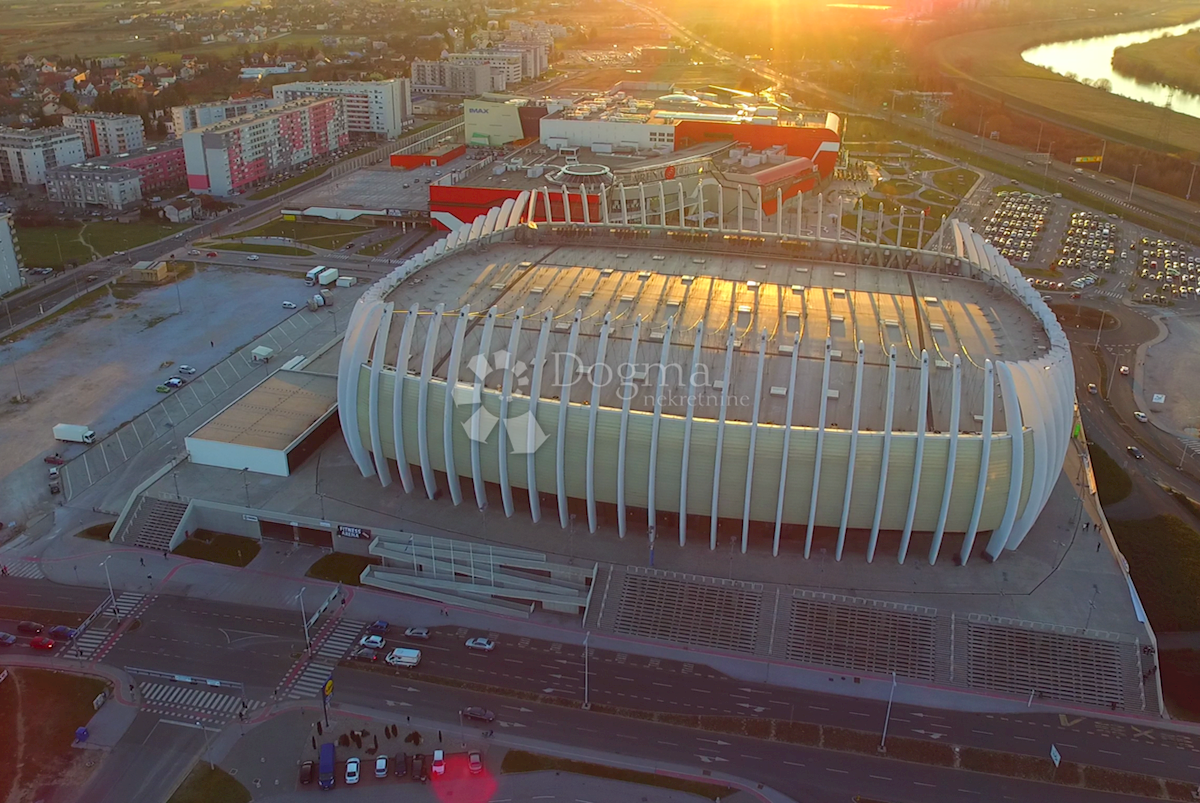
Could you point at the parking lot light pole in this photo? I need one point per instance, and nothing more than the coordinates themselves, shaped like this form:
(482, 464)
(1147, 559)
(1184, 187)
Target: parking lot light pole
(111, 595)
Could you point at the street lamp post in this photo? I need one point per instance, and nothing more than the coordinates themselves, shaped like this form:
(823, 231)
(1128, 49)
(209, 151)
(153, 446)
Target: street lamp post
(587, 701)
(1133, 183)
(304, 618)
(111, 595)
(1188, 197)
(204, 730)
(888, 716)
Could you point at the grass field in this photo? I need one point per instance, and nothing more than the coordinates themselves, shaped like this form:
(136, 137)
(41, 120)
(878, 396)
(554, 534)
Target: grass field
(990, 61)
(378, 248)
(281, 250)
(41, 712)
(1172, 60)
(955, 182)
(1164, 561)
(53, 246)
(232, 550)
(321, 235)
(523, 761)
(340, 567)
(204, 785)
(1181, 682)
(1112, 482)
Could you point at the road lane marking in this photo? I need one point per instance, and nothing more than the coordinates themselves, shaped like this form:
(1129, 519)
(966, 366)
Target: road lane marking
(1064, 744)
(1025, 738)
(664, 685)
(835, 769)
(670, 744)
(970, 791)
(1155, 760)
(793, 764)
(818, 708)
(756, 758)
(881, 777)
(920, 783)
(629, 680)
(858, 714)
(702, 691)
(984, 733)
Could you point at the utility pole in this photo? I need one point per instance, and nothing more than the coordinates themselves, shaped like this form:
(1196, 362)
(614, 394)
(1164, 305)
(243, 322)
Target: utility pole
(1133, 183)
(113, 597)
(304, 617)
(204, 730)
(1188, 197)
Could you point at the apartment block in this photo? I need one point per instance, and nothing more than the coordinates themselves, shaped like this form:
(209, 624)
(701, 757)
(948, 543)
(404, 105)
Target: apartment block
(185, 118)
(374, 108)
(229, 157)
(446, 78)
(105, 133)
(26, 154)
(10, 256)
(87, 184)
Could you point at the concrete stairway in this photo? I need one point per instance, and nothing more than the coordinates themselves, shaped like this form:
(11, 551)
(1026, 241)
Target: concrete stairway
(153, 523)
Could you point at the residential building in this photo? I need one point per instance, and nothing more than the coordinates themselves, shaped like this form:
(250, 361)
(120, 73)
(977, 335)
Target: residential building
(160, 166)
(26, 154)
(181, 210)
(185, 118)
(446, 78)
(87, 184)
(510, 62)
(229, 157)
(10, 256)
(377, 108)
(104, 133)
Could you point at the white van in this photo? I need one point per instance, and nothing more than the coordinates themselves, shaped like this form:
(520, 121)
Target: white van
(404, 657)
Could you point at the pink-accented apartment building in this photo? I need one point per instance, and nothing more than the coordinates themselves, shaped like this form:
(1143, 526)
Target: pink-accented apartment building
(229, 157)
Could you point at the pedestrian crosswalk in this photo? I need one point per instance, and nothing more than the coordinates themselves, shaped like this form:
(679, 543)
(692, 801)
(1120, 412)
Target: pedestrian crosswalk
(86, 644)
(330, 647)
(24, 568)
(128, 602)
(94, 642)
(1117, 294)
(193, 702)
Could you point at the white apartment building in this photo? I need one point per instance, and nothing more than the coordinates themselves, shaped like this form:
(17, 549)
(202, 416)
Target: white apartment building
(231, 157)
(510, 62)
(109, 186)
(446, 78)
(10, 256)
(185, 118)
(378, 108)
(535, 56)
(26, 154)
(105, 133)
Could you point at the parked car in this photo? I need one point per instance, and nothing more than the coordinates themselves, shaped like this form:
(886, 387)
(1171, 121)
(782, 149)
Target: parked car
(288, 305)
(54, 459)
(403, 763)
(480, 643)
(478, 712)
(439, 762)
(163, 389)
(374, 642)
(381, 767)
(418, 633)
(7, 639)
(378, 628)
(307, 770)
(41, 643)
(62, 633)
(175, 382)
(352, 767)
(475, 762)
(418, 771)
(187, 369)
(29, 627)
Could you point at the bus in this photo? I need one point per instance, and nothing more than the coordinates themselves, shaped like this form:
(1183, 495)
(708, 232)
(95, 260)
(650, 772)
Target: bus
(310, 278)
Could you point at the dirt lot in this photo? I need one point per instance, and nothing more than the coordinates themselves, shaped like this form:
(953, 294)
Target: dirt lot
(99, 364)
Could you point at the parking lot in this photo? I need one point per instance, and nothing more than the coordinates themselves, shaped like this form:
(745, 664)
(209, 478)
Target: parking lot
(1170, 270)
(1018, 224)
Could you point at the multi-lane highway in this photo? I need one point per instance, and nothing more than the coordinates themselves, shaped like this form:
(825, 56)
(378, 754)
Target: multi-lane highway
(260, 649)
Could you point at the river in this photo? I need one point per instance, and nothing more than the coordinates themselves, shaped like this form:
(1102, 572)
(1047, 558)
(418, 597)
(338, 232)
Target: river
(1091, 59)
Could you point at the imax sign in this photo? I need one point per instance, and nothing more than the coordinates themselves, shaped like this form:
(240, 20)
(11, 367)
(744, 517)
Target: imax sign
(478, 111)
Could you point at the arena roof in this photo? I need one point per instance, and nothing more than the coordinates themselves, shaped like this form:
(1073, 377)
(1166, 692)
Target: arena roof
(784, 299)
(275, 413)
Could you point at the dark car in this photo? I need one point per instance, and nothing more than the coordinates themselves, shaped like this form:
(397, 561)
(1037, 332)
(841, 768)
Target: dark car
(418, 772)
(41, 643)
(7, 639)
(478, 712)
(1136, 452)
(307, 770)
(29, 627)
(378, 628)
(62, 633)
(365, 654)
(403, 764)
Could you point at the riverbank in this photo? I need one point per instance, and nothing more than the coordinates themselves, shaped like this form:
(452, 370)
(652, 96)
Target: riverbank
(989, 62)
(1171, 60)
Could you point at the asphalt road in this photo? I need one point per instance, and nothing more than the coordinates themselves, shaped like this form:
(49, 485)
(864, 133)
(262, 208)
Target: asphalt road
(257, 646)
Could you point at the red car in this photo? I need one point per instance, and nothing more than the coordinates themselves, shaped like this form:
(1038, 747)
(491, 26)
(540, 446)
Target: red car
(54, 460)
(41, 643)
(211, 254)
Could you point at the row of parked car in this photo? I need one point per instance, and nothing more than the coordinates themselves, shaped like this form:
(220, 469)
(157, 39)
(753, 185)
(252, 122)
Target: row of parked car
(1015, 227)
(43, 638)
(1090, 243)
(417, 766)
(176, 382)
(1171, 267)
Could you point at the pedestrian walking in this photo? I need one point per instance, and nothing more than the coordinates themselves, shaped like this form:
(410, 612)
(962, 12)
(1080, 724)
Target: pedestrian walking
(212, 344)
(142, 561)
(4, 570)
(1097, 546)
(165, 553)
(439, 736)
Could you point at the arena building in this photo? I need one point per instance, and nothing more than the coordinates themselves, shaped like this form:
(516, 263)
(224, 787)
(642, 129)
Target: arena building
(664, 379)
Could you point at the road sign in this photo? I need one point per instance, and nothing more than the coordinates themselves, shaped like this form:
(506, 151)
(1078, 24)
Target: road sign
(1081, 160)
(327, 689)
(1054, 755)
